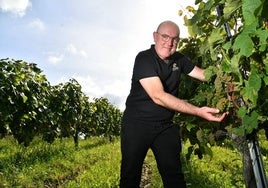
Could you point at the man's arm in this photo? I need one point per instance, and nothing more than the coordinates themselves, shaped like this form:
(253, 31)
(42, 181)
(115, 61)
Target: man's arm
(198, 73)
(155, 90)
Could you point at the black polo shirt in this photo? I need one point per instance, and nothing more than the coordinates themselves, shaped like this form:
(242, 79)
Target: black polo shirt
(148, 64)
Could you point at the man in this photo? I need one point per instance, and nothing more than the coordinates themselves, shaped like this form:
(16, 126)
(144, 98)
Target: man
(150, 107)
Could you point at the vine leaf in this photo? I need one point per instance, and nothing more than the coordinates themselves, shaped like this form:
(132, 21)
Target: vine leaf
(263, 35)
(210, 72)
(242, 112)
(245, 44)
(230, 7)
(252, 86)
(234, 64)
(251, 9)
(190, 126)
(250, 122)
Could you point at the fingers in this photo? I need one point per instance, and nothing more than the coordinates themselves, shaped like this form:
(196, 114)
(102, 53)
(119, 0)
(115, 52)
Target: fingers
(210, 114)
(222, 117)
(213, 110)
(219, 119)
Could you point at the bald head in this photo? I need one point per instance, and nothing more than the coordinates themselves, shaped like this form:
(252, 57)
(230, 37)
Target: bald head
(169, 24)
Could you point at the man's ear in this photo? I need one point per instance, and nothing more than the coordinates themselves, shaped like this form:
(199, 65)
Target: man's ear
(154, 35)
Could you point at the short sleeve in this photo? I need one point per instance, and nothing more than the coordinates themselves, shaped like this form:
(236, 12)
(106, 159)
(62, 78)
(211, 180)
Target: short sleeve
(188, 65)
(185, 63)
(144, 66)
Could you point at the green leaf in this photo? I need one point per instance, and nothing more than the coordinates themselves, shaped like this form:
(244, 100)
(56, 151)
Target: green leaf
(254, 81)
(231, 7)
(227, 45)
(226, 67)
(238, 131)
(244, 43)
(213, 39)
(195, 19)
(252, 86)
(251, 11)
(210, 72)
(24, 98)
(199, 135)
(189, 126)
(263, 35)
(193, 30)
(250, 122)
(242, 112)
(235, 63)
(265, 79)
(250, 30)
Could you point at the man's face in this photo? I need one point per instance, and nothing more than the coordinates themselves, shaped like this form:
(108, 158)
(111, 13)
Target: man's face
(166, 40)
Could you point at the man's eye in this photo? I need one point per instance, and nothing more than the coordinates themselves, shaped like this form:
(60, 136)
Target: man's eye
(165, 36)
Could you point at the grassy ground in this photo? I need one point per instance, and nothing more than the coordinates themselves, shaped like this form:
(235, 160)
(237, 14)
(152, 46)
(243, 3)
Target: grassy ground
(96, 164)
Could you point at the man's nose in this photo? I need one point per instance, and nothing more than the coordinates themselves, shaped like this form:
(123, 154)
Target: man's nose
(171, 42)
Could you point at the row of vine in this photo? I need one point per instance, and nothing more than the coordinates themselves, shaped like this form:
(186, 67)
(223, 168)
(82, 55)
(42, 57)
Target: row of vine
(30, 106)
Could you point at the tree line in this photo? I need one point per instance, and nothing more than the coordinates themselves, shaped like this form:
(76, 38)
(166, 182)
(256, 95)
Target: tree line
(30, 106)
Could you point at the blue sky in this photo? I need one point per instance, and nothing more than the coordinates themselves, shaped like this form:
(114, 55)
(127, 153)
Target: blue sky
(93, 41)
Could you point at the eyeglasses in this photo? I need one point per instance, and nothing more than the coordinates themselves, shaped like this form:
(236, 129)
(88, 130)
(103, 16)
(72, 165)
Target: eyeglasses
(166, 38)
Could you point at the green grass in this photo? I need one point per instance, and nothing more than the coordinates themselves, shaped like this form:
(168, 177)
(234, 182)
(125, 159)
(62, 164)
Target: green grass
(96, 164)
(224, 170)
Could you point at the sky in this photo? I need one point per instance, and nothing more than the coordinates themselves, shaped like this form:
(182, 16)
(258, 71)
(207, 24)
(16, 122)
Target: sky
(92, 41)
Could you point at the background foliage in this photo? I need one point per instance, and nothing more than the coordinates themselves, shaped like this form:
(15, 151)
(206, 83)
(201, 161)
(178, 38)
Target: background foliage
(229, 39)
(30, 106)
(236, 68)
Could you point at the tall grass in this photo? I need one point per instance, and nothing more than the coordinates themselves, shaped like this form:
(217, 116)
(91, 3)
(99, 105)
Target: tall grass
(96, 164)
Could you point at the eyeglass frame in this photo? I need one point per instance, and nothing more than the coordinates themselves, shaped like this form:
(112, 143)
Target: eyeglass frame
(166, 37)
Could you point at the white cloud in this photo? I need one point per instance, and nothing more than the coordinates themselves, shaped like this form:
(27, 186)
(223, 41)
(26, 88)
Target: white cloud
(65, 55)
(55, 59)
(115, 90)
(17, 7)
(37, 24)
(73, 50)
